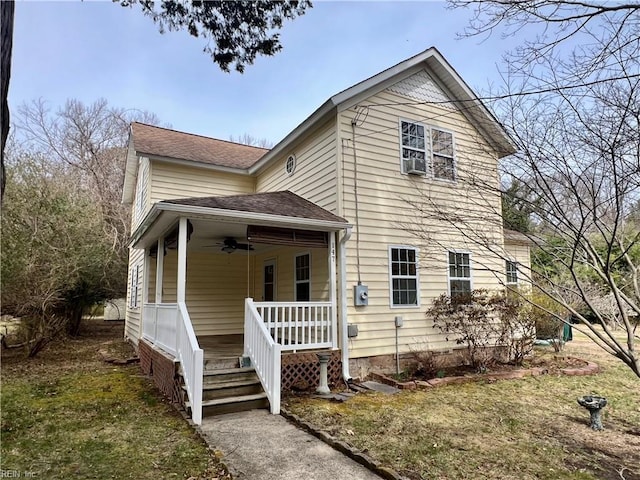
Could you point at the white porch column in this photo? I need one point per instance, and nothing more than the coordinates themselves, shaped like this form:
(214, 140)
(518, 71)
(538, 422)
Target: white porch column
(333, 289)
(182, 260)
(159, 270)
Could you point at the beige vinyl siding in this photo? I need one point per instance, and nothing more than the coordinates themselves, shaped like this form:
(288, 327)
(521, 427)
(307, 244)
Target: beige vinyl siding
(216, 289)
(285, 276)
(141, 202)
(385, 215)
(133, 315)
(170, 181)
(315, 175)
(522, 256)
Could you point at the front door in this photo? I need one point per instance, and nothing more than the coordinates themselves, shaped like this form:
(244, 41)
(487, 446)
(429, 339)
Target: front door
(269, 281)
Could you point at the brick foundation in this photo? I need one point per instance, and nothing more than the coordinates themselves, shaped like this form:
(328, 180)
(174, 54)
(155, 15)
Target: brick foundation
(163, 370)
(301, 371)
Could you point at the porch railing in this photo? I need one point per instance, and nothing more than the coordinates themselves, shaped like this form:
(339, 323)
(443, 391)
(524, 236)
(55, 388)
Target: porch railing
(191, 359)
(168, 326)
(299, 325)
(264, 352)
(159, 325)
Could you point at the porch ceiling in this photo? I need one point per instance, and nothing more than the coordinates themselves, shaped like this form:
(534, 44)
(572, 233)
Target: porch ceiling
(212, 225)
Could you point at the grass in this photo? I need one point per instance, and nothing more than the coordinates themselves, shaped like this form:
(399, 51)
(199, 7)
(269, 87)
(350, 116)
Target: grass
(514, 429)
(67, 414)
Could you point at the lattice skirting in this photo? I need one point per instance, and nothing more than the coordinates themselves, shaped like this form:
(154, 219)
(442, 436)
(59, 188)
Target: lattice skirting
(301, 371)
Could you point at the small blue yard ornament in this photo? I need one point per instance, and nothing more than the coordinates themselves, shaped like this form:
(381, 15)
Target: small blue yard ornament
(594, 405)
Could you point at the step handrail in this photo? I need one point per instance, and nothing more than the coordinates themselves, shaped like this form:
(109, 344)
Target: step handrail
(191, 358)
(264, 352)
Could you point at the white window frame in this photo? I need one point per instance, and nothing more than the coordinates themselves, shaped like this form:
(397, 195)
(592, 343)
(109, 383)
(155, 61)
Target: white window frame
(402, 146)
(513, 263)
(134, 289)
(140, 191)
(408, 277)
(428, 150)
(450, 278)
(453, 157)
(296, 282)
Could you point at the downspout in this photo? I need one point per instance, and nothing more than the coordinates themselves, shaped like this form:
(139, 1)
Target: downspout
(343, 304)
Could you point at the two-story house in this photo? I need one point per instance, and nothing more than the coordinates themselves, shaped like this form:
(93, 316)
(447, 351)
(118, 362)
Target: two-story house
(329, 241)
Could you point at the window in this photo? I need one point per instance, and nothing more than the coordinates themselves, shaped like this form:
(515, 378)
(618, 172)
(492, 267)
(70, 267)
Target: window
(414, 154)
(290, 166)
(404, 276)
(459, 274)
(303, 277)
(426, 147)
(442, 146)
(512, 272)
(133, 289)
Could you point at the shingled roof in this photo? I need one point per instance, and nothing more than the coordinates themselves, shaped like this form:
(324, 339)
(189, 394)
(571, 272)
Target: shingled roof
(284, 203)
(149, 140)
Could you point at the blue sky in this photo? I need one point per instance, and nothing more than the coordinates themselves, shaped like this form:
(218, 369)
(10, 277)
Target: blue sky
(88, 50)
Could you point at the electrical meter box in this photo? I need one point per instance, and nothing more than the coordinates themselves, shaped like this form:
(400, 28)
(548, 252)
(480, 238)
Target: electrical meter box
(360, 295)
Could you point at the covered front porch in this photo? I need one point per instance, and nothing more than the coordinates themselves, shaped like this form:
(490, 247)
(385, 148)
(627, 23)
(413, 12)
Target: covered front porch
(203, 267)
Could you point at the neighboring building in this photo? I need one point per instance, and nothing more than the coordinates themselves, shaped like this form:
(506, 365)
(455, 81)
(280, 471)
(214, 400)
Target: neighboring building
(312, 245)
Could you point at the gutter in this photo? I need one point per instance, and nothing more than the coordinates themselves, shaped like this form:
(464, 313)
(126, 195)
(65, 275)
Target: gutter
(343, 304)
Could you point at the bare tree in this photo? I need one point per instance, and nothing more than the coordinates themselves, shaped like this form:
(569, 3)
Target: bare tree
(579, 38)
(248, 139)
(579, 156)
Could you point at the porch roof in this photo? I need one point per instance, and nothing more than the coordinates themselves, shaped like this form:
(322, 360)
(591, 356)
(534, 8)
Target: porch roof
(280, 209)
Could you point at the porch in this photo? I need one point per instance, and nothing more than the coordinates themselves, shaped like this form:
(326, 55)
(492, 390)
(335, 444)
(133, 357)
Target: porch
(202, 268)
(217, 362)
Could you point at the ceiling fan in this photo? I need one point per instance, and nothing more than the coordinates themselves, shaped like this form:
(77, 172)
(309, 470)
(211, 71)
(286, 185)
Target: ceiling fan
(230, 245)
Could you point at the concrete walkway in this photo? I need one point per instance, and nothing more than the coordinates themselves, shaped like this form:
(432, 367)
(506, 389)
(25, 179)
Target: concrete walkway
(257, 446)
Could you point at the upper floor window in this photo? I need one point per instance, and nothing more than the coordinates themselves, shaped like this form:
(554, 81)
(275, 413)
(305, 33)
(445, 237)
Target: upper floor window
(404, 276)
(512, 272)
(427, 147)
(459, 274)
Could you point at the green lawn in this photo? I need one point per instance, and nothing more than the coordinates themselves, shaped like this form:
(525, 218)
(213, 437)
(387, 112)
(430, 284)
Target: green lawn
(67, 414)
(514, 429)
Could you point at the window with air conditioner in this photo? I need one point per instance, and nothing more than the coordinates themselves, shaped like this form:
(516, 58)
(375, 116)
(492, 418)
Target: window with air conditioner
(427, 150)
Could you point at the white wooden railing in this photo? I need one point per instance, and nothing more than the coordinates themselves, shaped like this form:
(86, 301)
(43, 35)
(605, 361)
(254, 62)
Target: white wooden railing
(299, 325)
(159, 325)
(168, 326)
(264, 352)
(191, 359)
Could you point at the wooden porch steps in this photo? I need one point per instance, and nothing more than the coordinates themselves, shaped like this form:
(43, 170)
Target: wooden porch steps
(228, 390)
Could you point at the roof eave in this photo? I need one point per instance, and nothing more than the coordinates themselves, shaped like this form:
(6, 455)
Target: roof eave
(193, 163)
(230, 216)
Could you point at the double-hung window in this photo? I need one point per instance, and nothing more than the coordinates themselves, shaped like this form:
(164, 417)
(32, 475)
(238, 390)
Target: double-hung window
(459, 274)
(427, 149)
(403, 263)
(414, 148)
(512, 272)
(303, 277)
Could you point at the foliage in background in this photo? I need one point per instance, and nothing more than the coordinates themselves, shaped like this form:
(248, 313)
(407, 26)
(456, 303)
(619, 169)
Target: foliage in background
(238, 31)
(64, 229)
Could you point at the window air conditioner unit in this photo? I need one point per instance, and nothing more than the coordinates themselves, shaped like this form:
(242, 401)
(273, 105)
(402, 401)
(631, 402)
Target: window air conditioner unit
(417, 167)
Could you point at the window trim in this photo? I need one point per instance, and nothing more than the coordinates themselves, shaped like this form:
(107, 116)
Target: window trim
(515, 265)
(294, 164)
(449, 277)
(429, 160)
(295, 276)
(391, 276)
(134, 289)
(453, 157)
